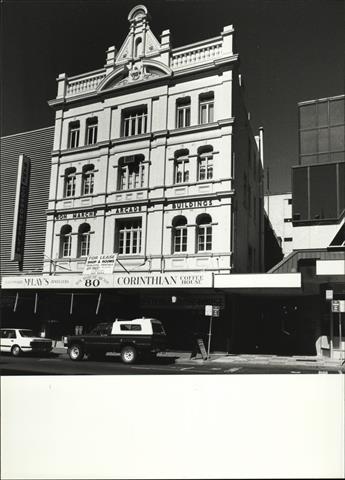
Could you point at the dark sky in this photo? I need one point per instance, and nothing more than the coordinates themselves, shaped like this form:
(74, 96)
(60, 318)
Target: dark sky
(290, 51)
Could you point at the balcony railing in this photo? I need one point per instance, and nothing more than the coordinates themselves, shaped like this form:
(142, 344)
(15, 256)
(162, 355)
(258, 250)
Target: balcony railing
(85, 84)
(198, 54)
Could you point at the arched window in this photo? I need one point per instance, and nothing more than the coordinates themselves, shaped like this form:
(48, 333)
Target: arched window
(91, 130)
(205, 163)
(138, 47)
(204, 233)
(131, 172)
(181, 174)
(88, 179)
(65, 241)
(84, 240)
(179, 234)
(73, 134)
(69, 187)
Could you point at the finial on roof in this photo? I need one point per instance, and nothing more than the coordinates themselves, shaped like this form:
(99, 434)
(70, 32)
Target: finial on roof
(137, 13)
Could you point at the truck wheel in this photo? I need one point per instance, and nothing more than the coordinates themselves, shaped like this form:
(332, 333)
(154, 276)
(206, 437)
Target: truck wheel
(16, 350)
(75, 352)
(128, 354)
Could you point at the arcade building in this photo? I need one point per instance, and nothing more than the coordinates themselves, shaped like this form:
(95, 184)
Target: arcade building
(155, 202)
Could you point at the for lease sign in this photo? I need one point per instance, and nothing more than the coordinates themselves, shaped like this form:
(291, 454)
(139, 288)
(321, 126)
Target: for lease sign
(100, 264)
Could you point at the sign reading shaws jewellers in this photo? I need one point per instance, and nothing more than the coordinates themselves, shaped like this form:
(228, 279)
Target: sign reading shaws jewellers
(130, 280)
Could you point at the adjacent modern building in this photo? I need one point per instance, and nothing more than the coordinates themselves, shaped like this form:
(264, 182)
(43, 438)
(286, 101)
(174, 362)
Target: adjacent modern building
(318, 220)
(318, 182)
(279, 211)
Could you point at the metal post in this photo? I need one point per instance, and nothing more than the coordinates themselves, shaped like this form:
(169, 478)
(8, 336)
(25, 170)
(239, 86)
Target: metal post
(209, 337)
(16, 302)
(340, 333)
(98, 303)
(331, 337)
(36, 303)
(71, 305)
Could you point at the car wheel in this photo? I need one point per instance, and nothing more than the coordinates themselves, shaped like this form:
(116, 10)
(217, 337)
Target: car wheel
(128, 354)
(75, 352)
(16, 350)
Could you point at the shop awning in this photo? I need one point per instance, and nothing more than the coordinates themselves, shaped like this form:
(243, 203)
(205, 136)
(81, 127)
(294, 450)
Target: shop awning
(260, 283)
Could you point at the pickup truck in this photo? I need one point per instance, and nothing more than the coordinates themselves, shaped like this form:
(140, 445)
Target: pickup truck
(130, 338)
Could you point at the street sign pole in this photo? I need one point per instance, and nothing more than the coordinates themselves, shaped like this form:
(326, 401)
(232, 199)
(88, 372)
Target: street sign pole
(340, 333)
(209, 337)
(331, 336)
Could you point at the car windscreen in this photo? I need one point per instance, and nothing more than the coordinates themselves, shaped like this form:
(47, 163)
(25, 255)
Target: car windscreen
(157, 327)
(26, 333)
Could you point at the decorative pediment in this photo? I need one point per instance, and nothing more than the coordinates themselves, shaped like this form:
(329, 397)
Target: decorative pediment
(152, 45)
(140, 41)
(137, 72)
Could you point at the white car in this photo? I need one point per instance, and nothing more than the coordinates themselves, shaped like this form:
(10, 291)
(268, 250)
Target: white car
(20, 340)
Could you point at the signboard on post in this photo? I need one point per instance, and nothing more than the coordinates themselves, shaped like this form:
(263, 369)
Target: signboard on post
(208, 310)
(329, 294)
(215, 311)
(338, 306)
(202, 348)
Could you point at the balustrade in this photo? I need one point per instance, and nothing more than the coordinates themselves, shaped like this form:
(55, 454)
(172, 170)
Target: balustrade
(198, 54)
(75, 87)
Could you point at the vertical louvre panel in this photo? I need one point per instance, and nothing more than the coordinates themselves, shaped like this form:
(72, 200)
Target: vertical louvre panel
(37, 145)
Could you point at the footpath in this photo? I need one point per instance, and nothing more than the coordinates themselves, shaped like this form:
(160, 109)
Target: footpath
(243, 359)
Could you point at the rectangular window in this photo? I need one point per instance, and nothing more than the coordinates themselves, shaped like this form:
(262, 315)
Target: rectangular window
(182, 171)
(128, 236)
(73, 135)
(91, 131)
(204, 238)
(180, 240)
(205, 171)
(134, 122)
(183, 113)
(66, 246)
(131, 173)
(85, 245)
(206, 109)
(70, 185)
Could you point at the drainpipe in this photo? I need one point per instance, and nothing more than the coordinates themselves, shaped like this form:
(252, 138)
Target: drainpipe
(262, 227)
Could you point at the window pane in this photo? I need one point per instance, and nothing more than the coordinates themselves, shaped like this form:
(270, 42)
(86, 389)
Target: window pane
(308, 159)
(323, 158)
(308, 142)
(337, 138)
(323, 140)
(308, 116)
(322, 110)
(336, 111)
(300, 193)
(211, 113)
(341, 189)
(338, 157)
(187, 117)
(323, 192)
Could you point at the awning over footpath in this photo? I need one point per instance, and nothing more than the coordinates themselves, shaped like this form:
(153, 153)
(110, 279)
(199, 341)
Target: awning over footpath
(260, 283)
(257, 283)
